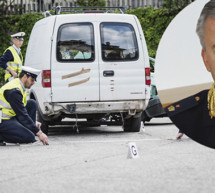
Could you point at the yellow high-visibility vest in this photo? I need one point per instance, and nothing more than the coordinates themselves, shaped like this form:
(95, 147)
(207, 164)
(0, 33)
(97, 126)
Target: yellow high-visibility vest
(15, 64)
(7, 111)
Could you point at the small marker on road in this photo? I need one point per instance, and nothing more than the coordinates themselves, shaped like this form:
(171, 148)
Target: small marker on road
(132, 150)
(143, 127)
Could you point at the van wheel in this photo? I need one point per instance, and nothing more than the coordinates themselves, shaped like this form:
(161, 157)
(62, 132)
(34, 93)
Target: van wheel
(45, 126)
(132, 124)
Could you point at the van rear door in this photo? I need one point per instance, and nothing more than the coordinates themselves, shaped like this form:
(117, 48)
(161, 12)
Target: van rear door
(122, 65)
(74, 67)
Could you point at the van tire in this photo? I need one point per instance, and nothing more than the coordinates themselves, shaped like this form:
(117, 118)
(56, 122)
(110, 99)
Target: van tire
(132, 124)
(44, 126)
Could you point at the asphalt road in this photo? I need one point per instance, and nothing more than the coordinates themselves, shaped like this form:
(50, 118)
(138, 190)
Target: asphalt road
(96, 161)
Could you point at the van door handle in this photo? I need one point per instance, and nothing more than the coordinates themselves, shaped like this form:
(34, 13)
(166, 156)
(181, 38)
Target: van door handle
(108, 73)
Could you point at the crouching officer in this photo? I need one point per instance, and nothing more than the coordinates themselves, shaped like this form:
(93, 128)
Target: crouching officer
(12, 58)
(18, 116)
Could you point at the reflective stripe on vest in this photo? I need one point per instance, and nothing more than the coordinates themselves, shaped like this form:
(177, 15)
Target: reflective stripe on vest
(15, 64)
(7, 111)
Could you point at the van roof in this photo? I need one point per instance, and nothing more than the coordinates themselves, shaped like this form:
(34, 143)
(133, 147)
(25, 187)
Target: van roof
(97, 17)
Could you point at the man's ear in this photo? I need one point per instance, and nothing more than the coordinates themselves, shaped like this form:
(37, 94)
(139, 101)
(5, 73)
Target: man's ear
(205, 59)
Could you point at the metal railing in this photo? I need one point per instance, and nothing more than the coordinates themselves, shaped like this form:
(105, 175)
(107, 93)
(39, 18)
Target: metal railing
(24, 6)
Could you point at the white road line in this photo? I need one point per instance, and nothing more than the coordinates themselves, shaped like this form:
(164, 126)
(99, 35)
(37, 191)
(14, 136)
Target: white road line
(123, 140)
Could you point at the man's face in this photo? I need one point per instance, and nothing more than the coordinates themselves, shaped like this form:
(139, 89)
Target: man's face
(17, 43)
(29, 82)
(209, 39)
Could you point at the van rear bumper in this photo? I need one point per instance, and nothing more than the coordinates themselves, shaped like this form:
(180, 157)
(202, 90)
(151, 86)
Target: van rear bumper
(95, 107)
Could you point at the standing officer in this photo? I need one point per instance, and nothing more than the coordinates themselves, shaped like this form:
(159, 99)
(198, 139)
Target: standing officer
(18, 116)
(12, 58)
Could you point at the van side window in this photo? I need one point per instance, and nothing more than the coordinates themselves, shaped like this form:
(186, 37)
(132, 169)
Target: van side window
(119, 42)
(75, 42)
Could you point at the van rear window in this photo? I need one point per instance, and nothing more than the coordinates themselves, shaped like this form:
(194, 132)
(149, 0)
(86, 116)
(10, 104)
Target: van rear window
(75, 42)
(118, 42)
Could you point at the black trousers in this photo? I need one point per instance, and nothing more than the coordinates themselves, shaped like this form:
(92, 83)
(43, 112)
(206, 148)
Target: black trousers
(11, 131)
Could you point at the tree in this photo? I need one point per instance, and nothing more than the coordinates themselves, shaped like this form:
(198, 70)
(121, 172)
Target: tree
(91, 3)
(8, 7)
(4, 7)
(176, 4)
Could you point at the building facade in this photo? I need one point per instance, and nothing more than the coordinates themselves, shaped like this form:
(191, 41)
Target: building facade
(44, 5)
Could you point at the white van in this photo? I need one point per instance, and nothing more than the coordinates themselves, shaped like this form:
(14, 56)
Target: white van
(94, 65)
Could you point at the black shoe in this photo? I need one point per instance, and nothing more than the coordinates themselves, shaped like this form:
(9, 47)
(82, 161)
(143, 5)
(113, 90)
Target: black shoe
(2, 143)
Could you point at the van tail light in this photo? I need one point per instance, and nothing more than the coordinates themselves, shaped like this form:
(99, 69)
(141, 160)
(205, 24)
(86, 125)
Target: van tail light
(46, 78)
(147, 76)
